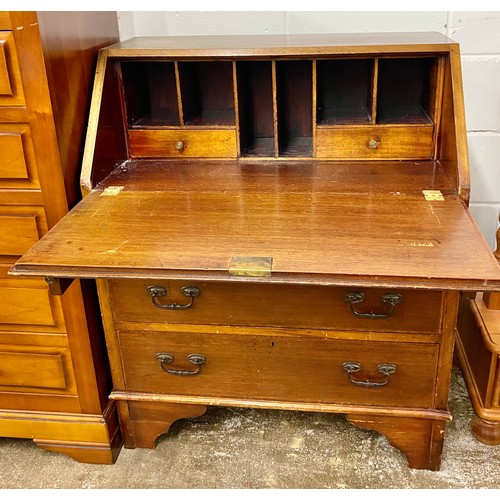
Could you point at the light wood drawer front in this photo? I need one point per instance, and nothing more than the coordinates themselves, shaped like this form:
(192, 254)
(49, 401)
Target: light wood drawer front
(25, 306)
(20, 228)
(219, 143)
(5, 86)
(17, 158)
(35, 369)
(277, 305)
(11, 93)
(28, 306)
(280, 368)
(374, 142)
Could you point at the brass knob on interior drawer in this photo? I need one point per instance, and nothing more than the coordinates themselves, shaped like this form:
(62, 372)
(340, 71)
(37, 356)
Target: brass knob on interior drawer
(373, 144)
(179, 145)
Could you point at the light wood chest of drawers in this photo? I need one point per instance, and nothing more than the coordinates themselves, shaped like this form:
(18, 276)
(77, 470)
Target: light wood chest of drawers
(54, 379)
(277, 223)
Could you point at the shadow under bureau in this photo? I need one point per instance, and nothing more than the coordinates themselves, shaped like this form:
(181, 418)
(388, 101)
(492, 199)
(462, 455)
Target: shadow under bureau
(277, 222)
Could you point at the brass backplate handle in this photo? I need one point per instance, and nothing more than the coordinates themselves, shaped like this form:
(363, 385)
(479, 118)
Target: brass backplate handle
(386, 369)
(165, 358)
(391, 299)
(159, 291)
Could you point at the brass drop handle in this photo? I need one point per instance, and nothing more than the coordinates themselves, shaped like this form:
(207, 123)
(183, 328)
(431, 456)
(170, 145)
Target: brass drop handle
(391, 299)
(385, 369)
(159, 291)
(373, 144)
(165, 358)
(179, 145)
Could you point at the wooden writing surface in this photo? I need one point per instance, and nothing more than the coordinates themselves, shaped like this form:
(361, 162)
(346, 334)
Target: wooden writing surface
(317, 220)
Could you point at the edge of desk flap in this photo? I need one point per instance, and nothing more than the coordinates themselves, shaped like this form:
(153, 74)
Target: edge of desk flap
(351, 281)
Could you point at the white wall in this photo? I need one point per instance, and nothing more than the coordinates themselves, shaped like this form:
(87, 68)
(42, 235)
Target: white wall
(477, 32)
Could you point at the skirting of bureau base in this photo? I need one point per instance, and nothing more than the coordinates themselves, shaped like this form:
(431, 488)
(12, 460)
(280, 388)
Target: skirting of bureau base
(418, 434)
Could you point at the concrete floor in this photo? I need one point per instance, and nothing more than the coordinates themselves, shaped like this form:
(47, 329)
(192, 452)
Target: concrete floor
(245, 448)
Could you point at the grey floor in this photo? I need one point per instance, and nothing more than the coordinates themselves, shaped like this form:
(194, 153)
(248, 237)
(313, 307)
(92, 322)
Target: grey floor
(244, 448)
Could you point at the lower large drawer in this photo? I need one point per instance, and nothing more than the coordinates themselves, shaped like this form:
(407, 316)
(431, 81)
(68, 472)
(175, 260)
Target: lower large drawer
(301, 369)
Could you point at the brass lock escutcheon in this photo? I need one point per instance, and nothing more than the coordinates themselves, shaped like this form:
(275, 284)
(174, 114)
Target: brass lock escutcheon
(385, 369)
(391, 299)
(156, 291)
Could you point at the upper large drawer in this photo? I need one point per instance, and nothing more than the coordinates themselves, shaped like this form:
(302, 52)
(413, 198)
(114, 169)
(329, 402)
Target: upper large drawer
(17, 157)
(11, 92)
(280, 306)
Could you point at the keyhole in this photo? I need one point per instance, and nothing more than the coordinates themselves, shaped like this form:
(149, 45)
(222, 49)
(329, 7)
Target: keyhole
(273, 343)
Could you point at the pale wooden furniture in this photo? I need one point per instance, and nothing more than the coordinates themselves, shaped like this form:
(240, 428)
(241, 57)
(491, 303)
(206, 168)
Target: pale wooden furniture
(54, 379)
(478, 351)
(277, 222)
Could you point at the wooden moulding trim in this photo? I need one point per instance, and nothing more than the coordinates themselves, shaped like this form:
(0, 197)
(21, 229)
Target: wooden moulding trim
(68, 427)
(338, 280)
(323, 333)
(90, 139)
(312, 51)
(280, 405)
(490, 345)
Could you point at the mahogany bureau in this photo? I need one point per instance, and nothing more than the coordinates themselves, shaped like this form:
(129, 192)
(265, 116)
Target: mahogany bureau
(54, 375)
(277, 222)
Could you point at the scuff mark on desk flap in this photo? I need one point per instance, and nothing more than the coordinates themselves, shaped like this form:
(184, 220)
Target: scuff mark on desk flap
(111, 191)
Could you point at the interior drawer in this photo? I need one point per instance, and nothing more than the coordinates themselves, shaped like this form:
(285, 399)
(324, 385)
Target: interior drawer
(173, 143)
(300, 369)
(375, 142)
(269, 305)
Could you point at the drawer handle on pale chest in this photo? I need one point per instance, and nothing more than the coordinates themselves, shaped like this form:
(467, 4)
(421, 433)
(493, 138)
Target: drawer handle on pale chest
(391, 299)
(159, 291)
(166, 358)
(386, 369)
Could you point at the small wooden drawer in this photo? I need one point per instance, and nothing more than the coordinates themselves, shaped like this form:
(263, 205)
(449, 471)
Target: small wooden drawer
(20, 228)
(36, 369)
(375, 142)
(215, 143)
(17, 158)
(299, 369)
(11, 93)
(27, 305)
(278, 305)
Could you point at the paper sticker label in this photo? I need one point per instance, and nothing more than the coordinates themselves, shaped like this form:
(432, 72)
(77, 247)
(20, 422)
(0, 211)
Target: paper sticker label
(433, 195)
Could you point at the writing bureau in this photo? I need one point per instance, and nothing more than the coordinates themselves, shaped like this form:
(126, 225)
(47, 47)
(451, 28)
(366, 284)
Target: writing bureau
(277, 222)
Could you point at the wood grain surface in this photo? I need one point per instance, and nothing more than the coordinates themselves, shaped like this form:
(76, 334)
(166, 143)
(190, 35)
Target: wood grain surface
(289, 369)
(195, 216)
